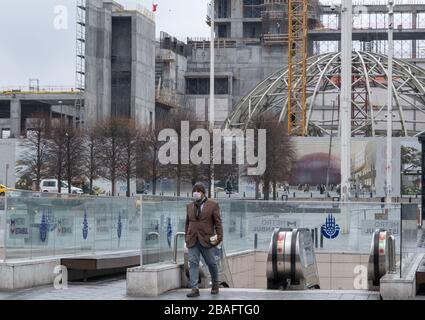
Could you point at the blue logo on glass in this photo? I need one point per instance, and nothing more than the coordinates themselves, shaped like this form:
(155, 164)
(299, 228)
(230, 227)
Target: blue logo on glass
(169, 231)
(330, 230)
(43, 226)
(119, 227)
(85, 226)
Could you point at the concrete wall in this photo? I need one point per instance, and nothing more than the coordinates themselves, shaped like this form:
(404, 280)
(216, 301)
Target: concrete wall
(8, 156)
(336, 270)
(98, 61)
(143, 69)
(247, 64)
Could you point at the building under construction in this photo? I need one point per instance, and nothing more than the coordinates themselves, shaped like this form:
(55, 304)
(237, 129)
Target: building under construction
(123, 71)
(252, 74)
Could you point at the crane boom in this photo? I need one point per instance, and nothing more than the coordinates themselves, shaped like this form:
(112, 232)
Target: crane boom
(297, 66)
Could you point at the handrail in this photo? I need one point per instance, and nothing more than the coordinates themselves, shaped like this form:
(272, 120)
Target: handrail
(392, 268)
(178, 234)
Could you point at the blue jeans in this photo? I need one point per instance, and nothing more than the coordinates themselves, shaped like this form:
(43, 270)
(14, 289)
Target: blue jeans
(194, 258)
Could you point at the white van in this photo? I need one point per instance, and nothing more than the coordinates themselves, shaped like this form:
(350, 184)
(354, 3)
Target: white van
(51, 185)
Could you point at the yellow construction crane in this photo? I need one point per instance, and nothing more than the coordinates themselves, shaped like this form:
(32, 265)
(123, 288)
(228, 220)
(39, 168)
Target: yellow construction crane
(297, 66)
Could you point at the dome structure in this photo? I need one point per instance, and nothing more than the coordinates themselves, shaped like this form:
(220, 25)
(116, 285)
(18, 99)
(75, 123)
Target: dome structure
(369, 97)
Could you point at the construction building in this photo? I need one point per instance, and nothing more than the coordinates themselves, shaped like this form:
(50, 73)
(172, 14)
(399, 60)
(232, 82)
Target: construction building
(123, 71)
(119, 63)
(252, 46)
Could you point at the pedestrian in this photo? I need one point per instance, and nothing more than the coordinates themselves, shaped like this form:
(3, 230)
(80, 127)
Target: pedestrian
(203, 233)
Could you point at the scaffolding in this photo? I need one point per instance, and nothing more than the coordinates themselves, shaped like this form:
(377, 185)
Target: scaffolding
(80, 58)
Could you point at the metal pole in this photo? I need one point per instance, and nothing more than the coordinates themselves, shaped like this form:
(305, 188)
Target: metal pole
(346, 74)
(390, 99)
(212, 88)
(7, 169)
(330, 149)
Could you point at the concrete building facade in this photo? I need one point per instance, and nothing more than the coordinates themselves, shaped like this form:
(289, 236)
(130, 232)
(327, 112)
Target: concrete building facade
(120, 63)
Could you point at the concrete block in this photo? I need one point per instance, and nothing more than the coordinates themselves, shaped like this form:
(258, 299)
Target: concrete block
(27, 274)
(153, 280)
(392, 287)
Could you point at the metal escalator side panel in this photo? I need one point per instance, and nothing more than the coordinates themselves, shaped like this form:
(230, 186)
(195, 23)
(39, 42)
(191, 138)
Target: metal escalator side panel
(383, 252)
(376, 275)
(280, 246)
(269, 263)
(308, 264)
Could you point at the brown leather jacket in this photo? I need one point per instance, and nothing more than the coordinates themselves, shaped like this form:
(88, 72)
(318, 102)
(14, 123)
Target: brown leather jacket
(202, 229)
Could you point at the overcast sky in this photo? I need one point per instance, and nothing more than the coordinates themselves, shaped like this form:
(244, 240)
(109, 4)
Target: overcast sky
(31, 46)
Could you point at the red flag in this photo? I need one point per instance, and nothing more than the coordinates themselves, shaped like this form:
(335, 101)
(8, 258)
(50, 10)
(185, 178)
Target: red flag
(154, 7)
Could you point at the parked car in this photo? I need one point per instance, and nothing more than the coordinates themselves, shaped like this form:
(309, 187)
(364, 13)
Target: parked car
(51, 185)
(3, 189)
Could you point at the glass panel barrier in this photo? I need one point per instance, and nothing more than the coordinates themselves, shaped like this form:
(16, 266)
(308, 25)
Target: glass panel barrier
(49, 224)
(46, 224)
(249, 224)
(411, 235)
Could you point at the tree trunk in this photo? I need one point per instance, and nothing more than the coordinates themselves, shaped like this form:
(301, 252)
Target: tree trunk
(179, 179)
(69, 173)
(59, 172)
(38, 178)
(266, 189)
(113, 184)
(91, 169)
(128, 172)
(91, 184)
(274, 190)
(128, 183)
(257, 190)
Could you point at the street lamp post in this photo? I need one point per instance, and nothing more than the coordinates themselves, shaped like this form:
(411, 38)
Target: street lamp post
(390, 100)
(7, 169)
(212, 89)
(346, 103)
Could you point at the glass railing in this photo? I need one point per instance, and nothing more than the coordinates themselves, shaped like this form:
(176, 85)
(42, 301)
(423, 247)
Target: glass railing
(51, 225)
(412, 236)
(44, 225)
(248, 224)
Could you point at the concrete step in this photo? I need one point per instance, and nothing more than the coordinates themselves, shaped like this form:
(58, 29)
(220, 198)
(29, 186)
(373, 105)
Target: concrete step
(261, 294)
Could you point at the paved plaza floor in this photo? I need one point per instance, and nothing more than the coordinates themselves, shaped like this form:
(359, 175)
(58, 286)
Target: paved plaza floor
(115, 289)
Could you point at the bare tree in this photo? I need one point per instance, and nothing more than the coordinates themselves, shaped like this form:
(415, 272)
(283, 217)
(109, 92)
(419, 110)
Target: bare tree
(280, 154)
(74, 150)
(33, 161)
(149, 144)
(110, 151)
(129, 143)
(180, 171)
(91, 149)
(56, 147)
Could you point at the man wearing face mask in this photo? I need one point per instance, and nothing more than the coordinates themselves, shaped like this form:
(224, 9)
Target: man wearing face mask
(203, 232)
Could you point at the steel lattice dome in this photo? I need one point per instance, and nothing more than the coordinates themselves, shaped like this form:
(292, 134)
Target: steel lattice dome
(369, 83)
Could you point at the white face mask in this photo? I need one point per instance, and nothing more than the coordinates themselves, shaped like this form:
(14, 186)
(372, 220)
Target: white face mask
(197, 195)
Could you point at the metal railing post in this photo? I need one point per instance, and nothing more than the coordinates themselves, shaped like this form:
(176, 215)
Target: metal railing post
(176, 236)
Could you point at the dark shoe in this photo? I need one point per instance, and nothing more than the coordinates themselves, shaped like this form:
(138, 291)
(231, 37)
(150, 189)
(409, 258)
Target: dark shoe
(194, 293)
(215, 288)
